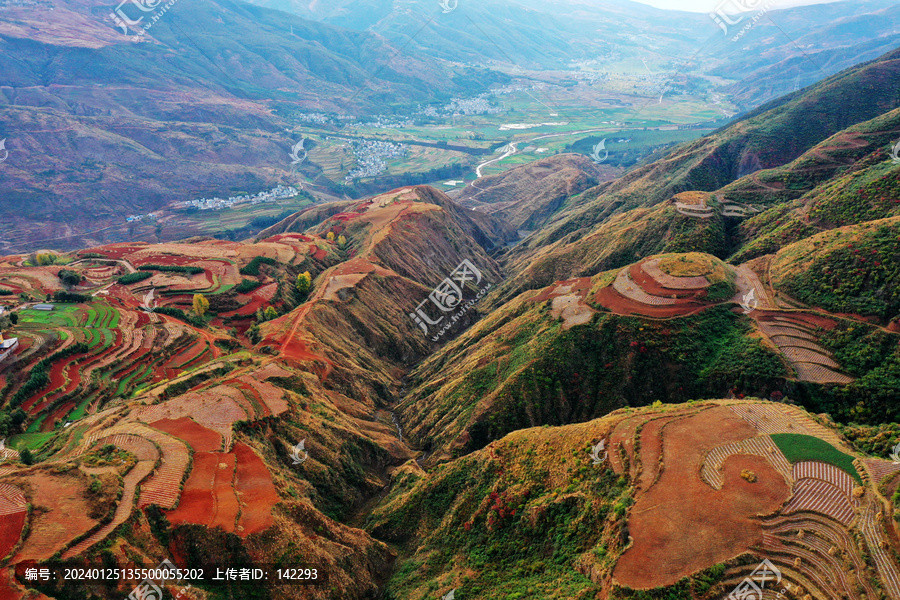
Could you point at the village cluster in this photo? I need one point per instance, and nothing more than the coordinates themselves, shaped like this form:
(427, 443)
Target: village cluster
(277, 193)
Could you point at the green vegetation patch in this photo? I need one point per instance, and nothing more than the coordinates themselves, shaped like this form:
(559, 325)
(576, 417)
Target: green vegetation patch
(797, 448)
(172, 269)
(134, 277)
(848, 271)
(246, 285)
(252, 267)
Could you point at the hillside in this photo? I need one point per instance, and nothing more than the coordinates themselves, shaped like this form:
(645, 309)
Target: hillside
(526, 197)
(98, 127)
(768, 138)
(572, 512)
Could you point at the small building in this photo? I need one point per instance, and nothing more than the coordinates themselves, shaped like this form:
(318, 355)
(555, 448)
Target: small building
(43, 307)
(7, 347)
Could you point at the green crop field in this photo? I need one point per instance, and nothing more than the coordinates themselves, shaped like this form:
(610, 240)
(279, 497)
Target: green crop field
(60, 316)
(797, 448)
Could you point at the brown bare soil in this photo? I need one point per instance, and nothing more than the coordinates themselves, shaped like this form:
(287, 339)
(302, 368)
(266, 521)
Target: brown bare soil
(255, 490)
(681, 525)
(60, 515)
(208, 497)
(197, 436)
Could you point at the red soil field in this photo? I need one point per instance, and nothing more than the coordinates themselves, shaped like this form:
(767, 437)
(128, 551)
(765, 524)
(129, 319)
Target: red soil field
(296, 350)
(65, 519)
(197, 436)
(208, 497)
(115, 251)
(10, 529)
(681, 525)
(653, 287)
(611, 299)
(184, 358)
(651, 450)
(257, 492)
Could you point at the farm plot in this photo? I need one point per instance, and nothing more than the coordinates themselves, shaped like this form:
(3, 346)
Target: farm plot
(162, 487)
(197, 437)
(255, 490)
(63, 515)
(209, 498)
(794, 335)
(686, 537)
(12, 517)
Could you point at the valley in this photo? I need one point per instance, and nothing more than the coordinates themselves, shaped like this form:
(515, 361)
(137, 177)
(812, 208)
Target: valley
(370, 299)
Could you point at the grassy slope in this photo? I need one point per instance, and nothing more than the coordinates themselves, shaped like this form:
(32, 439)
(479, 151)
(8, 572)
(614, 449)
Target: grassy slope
(519, 368)
(769, 137)
(853, 269)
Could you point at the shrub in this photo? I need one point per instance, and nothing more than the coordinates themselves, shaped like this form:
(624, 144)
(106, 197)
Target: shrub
(134, 277)
(69, 277)
(246, 285)
(252, 267)
(172, 269)
(69, 297)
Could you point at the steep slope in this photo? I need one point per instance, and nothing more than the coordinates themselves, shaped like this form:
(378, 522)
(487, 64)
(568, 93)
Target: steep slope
(853, 269)
(528, 34)
(769, 137)
(196, 107)
(573, 511)
(527, 196)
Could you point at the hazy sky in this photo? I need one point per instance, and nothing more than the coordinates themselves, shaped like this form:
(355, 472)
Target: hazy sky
(709, 5)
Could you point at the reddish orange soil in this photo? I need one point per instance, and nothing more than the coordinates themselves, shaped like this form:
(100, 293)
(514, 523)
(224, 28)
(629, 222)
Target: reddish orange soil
(651, 450)
(208, 497)
(65, 519)
(256, 491)
(197, 436)
(612, 300)
(681, 525)
(653, 287)
(10, 530)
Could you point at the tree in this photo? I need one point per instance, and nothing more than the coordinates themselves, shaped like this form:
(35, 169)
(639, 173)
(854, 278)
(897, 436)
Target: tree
(330, 236)
(271, 313)
(342, 241)
(304, 283)
(26, 456)
(69, 277)
(253, 334)
(260, 315)
(201, 304)
(14, 318)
